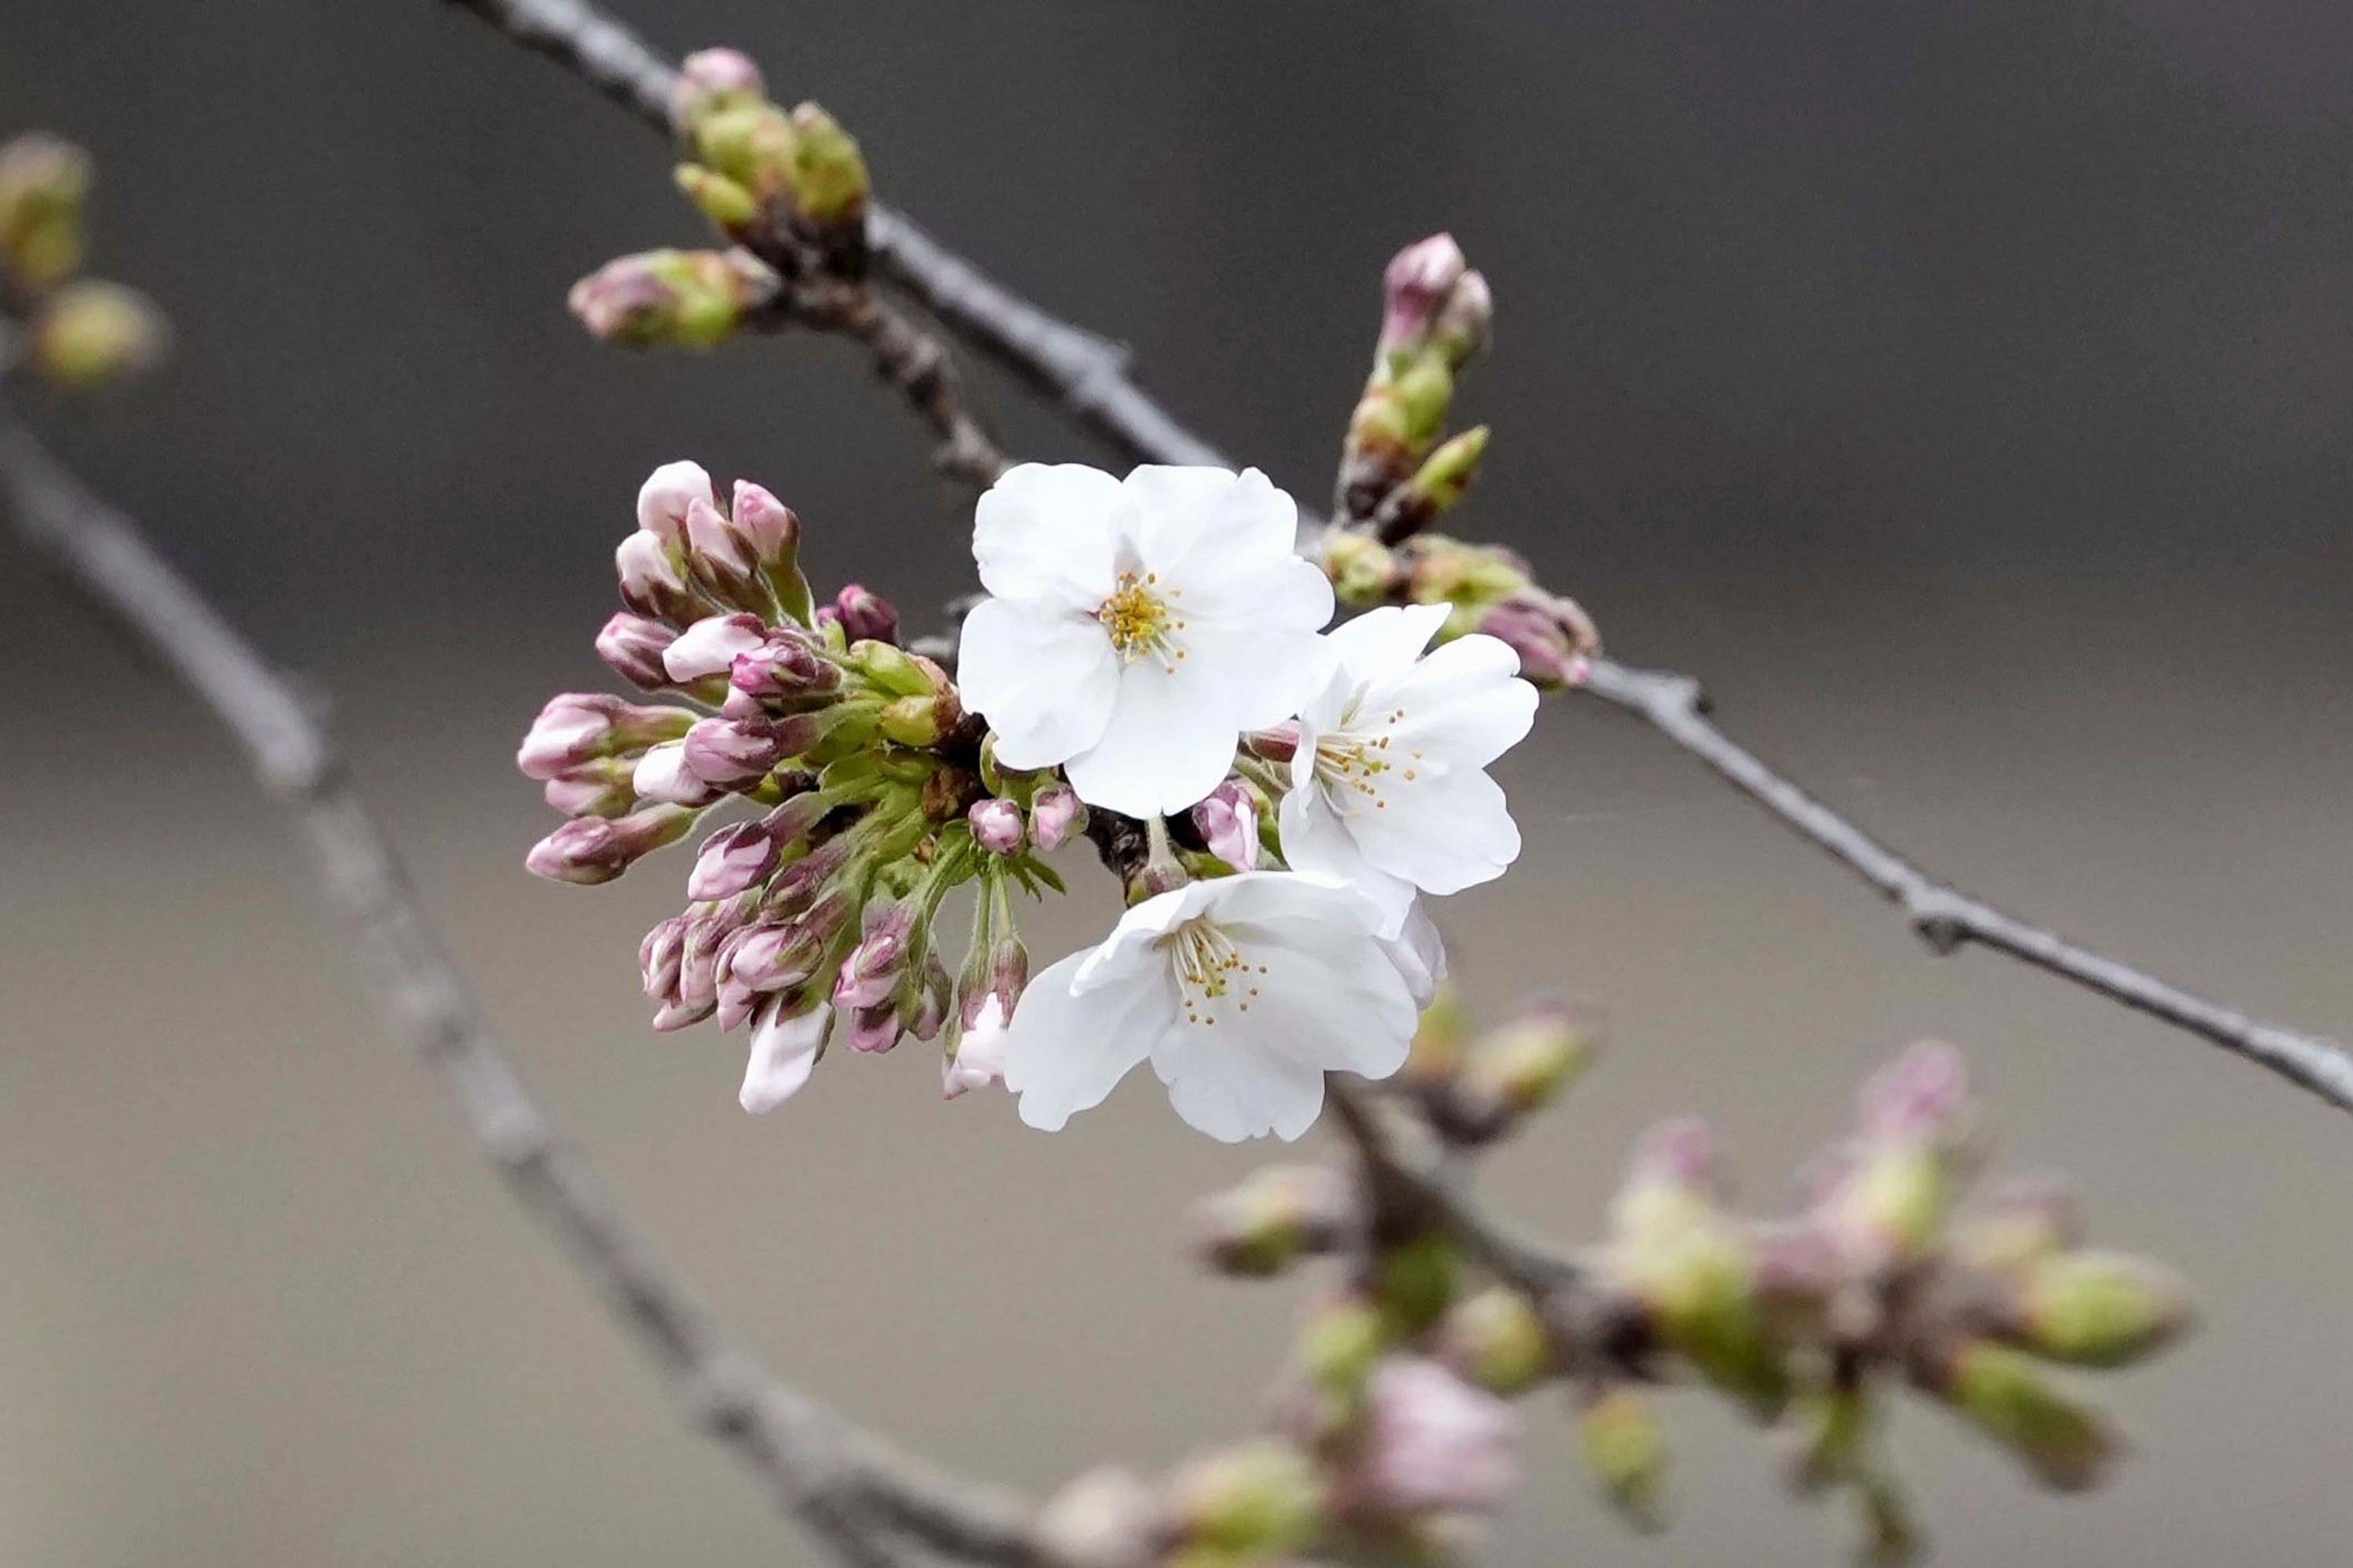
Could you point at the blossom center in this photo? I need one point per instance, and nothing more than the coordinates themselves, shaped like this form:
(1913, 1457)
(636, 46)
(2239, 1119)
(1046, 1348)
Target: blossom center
(1356, 757)
(1209, 969)
(1142, 619)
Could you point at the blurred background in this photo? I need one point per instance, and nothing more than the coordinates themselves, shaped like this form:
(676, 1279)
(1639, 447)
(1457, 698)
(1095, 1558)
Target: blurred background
(1965, 389)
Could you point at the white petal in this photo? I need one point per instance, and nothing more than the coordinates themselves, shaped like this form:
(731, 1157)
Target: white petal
(1233, 1089)
(1420, 954)
(1350, 1011)
(1382, 644)
(1464, 703)
(1208, 525)
(1128, 952)
(1442, 833)
(1290, 593)
(1256, 674)
(1047, 534)
(664, 498)
(1316, 843)
(1169, 743)
(1044, 679)
(1065, 1052)
(784, 1053)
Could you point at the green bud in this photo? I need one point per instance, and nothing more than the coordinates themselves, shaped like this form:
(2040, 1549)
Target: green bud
(1468, 577)
(919, 721)
(727, 205)
(91, 332)
(1363, 570)
(749, 141)
(1442, 479)
(1901, 1196)
(44, 183)
(1257, 1500)
(828, 175)
(1417, 1282)
(689, 299)
(1622, 1444)
(1275, 1217)
(1340, 1341)
(1496, 1340)
(1440, 1042)
(1424, 391)
(2005, 1395)
(2016, 1225)
(1521, 1067)
(2100, 1310)
(893, 669)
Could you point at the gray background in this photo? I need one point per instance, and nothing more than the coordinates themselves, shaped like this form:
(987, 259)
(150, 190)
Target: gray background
(1965, 389)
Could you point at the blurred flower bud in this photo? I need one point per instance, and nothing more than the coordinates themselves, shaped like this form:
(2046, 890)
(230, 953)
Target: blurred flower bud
(1464, 319)
(1415, 1281)
(1444, 477)
(2010, 1228)
(1056, 816)
(662, 774)
(1518, 1068)
(1105, 1519)
(575, 728)
(1496, 1341)
(711, 75)
(631, 645)
(1921, 1097)
(733, 859)
(652, 582)
(710, 645)
(1431, 1444)
(87, 333)
(1624, 1446)
(2006, 1395)
(1274, 1217)
(1228, 822)
(977, 1059)
(44, 183)
(865, 615)
(2099, 1310)
(1256, 1500)
(587, 851)
(1363, 570)
(828, 175)
(682, 298)
(1416, 284)
(732, 210)
(1554, 637)
(784, 1049)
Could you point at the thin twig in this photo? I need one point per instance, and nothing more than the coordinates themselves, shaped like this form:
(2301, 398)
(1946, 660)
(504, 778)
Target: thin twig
(1088, 378)
(846, 1487)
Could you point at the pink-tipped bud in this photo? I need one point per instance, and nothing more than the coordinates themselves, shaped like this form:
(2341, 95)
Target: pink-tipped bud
(871, 973)
(575, 728)
(784, 1049)
(865, 615)
(1280, 744)
(710, 646)
(651, 582)
(1680, 1153)
(719, 558)
(587, 851)
(662, 775)
(977, 1059)
(770, 957)
(996, 826)
(631, 646)
(1432, 1444)
(1228, 822)
(729, 755)
(733, 859)
(768, 525)
(1921, 1097)
(708, 74)
(598, 789)
(873, 1030)
(1554, 637)
(1055, 815)
(658, 956)
(667, 496)
(785, 671)
(1416, 282)
(1464, 319)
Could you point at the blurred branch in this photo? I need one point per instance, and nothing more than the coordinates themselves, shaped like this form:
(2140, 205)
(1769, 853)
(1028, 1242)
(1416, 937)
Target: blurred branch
(859, 1497)
(1087, 377)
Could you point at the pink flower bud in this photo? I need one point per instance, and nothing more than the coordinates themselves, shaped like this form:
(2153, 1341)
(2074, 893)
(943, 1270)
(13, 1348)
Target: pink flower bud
(587, 851)
(866, 615)
(727, 754)
(631, 645)
(651, 582)
(707, 931)
(1432, 1444)
(662, 775)
(1416, 282)
(1554, 637)
(578, 727)
(1465, 319)
(733, 859)
(598, 789)
(784, 1049)
(786, 668)
(979, 1058)
(871, 973)
(1679, 1153)
(873, 1030)
(707, 74)
(1228, 821)
(1920, 1098)
(658, 958)
(666, 497)
(708, 647)
(996, 826)
(766, 524)
(1055, 815)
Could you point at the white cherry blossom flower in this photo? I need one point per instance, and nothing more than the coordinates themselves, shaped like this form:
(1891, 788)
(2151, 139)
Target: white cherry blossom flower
(1242, 990)
(1136, 628)
(784, 1049)
(1390, 792)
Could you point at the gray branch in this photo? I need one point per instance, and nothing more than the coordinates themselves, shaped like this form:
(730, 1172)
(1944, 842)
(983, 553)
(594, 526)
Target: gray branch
(1087, 377)
(867, 1503)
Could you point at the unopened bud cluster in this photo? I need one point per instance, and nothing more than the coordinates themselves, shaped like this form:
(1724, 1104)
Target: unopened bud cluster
(73, 332)
(845, 791)
(1398, 469)
(1492, 589)
(1885, 1277)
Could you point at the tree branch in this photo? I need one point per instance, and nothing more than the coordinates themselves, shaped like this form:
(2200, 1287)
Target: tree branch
(1088, 378)
(856, 1495)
